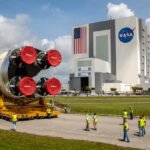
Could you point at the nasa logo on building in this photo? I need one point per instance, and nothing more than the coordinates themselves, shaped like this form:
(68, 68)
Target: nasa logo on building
(126, 34)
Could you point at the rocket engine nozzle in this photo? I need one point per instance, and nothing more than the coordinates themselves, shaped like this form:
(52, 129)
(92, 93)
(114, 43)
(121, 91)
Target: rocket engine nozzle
(54, 57)
(18, 67)
(22, 86)
(50, 58)
(26, 55)
(48, 86)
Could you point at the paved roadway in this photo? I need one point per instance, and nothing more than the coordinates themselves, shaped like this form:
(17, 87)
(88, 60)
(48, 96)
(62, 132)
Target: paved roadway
(70, 126)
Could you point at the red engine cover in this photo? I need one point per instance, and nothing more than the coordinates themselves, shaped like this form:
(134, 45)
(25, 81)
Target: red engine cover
(27, 86)
(54, 58)
(28, 54)
(53, 86)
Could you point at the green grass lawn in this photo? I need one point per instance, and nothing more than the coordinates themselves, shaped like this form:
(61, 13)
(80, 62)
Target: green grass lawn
(106, 105)
(10, 140)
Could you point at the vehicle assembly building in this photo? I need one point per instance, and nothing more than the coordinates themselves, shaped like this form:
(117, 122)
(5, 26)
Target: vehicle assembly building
(111, 52)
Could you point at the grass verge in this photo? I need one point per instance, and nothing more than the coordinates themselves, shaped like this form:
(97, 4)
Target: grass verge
(10, 140)
(107, 105)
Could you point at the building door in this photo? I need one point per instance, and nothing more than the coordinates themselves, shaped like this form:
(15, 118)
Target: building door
(84, 83)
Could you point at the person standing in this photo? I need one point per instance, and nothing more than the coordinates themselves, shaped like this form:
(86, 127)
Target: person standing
(88, 121)
(144, 127)
(125, 130)
(125, 115)
(131, 113)
(95, 121)
(141, 126)
(48, 111)
(14, 121)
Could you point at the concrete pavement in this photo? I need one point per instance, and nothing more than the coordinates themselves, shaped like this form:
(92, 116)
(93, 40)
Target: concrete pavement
(69, 126)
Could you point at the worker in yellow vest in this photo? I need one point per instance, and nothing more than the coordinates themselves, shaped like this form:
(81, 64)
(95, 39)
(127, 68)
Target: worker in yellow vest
(141, 125)
(125, 130)
(125, 116)
(48, 111)
(144, 128)
(88, 121)
(14, 121)
(95, 121)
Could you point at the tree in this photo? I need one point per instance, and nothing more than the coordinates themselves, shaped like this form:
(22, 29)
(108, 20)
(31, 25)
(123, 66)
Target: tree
(137, 90)
(134, 88)
(113, 89)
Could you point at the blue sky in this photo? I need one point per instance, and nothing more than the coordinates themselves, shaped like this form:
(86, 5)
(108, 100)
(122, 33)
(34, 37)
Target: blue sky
(53, 18)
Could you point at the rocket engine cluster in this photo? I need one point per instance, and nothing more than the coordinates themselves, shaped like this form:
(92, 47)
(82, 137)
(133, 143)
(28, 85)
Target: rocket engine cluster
(19, 66)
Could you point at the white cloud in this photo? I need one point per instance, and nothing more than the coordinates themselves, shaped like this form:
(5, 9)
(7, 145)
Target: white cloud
(147, 21)
(43, 44)
(45, 7)
(53, 10)
(118, 11)
(13, 31)
(64, 44)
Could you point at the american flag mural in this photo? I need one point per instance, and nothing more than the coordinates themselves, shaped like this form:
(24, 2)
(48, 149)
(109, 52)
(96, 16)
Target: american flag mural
(80, 42)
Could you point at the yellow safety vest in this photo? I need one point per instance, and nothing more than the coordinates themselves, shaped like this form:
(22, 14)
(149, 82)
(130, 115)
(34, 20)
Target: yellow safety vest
(88, 120)
(142, 122)
(125, 114)
(95, 119)
(126, 126)
(48, 111)
(14, 118)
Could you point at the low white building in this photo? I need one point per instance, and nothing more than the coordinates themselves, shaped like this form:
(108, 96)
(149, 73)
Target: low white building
(120, 87)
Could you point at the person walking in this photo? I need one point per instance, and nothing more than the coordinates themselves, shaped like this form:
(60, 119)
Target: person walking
(95, 121)
(88, 121)
(125, 131)
(131, 113)
(125, 115)
(14, 121)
